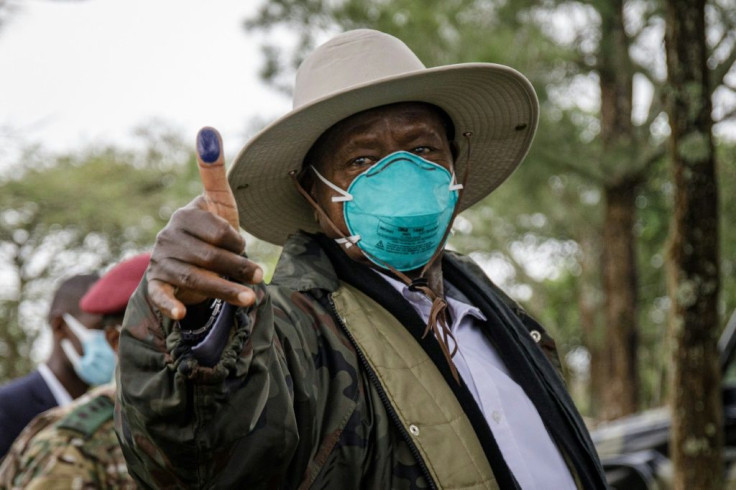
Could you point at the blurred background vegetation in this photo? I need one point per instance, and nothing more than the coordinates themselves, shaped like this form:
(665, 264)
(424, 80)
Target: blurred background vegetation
(578, 235)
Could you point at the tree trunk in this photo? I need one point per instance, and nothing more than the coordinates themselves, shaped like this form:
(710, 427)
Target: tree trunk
(693, 262)
(589, 306)
(620, 396)
(619, 258)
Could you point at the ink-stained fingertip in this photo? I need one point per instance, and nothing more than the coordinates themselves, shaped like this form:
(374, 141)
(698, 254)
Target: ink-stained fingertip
(208, 145)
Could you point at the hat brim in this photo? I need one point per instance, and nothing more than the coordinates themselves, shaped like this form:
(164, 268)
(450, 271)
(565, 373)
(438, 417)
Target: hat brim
(495, 103)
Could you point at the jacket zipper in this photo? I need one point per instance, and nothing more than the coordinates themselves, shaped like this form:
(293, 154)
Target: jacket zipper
(382, 394)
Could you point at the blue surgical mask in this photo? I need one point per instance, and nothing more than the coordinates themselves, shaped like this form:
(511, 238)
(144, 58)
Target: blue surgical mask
(398, 210)
(96, 366)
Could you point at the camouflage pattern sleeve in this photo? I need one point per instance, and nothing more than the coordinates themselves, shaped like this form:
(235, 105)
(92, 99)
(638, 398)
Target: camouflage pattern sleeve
(13, 463)
(49, 454)
(186, 425)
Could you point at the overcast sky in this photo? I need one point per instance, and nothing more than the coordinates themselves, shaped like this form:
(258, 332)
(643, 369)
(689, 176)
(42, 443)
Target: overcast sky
(80, 72)
(77, 73)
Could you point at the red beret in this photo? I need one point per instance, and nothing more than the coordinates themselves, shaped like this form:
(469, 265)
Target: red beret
(110, 295)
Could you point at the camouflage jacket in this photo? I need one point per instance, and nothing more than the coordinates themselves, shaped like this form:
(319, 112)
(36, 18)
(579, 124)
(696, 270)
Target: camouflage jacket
(290, 404)
(74, 446)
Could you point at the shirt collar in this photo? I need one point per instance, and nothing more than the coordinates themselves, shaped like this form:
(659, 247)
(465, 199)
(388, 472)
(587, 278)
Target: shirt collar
(457, 305)
(57, 389)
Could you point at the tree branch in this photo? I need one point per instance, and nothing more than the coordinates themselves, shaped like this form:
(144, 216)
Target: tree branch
(564, 164)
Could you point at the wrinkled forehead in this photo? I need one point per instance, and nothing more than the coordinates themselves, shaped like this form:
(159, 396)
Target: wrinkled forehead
(400, 113)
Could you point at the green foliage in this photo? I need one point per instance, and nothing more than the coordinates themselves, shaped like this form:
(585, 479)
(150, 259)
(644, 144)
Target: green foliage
(100, 192)
(438, 31)
(74, 214)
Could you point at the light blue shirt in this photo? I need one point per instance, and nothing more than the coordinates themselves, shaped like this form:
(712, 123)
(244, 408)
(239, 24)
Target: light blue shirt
(527, 447)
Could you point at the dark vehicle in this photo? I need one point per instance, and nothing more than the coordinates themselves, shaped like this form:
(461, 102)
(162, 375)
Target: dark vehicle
(634, 450)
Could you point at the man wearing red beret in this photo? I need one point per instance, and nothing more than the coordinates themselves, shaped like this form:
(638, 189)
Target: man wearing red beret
(83, 431)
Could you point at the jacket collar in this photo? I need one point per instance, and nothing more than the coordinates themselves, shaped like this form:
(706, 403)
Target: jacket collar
(304, 265)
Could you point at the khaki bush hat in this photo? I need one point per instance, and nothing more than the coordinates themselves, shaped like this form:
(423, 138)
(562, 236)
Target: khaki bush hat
(363, 69)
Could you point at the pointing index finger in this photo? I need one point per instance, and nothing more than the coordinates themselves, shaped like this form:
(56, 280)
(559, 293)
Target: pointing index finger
(211, 164)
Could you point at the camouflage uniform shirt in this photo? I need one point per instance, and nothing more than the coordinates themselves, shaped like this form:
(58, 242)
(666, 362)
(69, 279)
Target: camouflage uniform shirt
(70, 447)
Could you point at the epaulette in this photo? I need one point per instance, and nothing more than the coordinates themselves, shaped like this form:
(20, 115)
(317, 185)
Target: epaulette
(88, 417)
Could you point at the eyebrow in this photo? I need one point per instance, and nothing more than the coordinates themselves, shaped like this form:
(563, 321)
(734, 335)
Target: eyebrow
(358, 139)
(411, 128)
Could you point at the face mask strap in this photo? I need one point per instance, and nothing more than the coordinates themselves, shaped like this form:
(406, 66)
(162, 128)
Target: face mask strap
(317, 207)
(71, 353)
(454, 186)
(348, 241)
(344, 196)
(77, 328)
(82, 334)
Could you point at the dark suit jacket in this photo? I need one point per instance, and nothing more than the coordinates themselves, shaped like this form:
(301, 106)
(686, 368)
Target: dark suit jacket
(20, 401)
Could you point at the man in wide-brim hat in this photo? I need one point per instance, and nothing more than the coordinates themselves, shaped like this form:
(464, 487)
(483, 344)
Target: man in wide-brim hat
(374, 358)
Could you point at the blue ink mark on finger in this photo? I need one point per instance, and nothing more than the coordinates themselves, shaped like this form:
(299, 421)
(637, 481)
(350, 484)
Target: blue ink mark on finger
(208, 145)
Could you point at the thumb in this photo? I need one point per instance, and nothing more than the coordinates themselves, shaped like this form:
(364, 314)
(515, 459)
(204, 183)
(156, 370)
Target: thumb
(211, 163)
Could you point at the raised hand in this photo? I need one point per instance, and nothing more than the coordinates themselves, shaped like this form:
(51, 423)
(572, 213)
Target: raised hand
(198, 254)
(211, 164)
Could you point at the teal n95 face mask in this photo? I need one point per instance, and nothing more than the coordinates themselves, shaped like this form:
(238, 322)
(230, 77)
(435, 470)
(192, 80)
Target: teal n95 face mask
(96, 366)
(398, 210)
